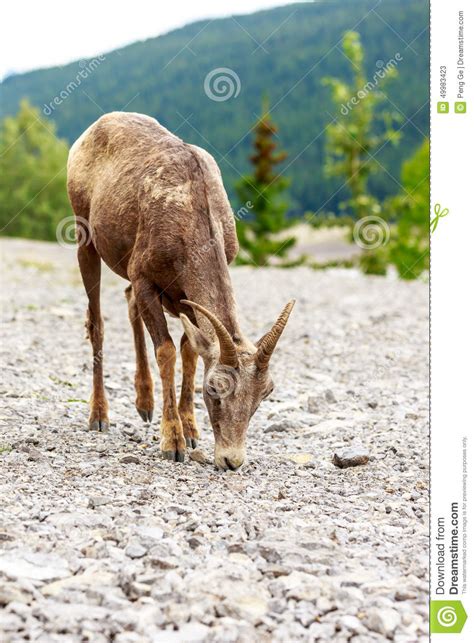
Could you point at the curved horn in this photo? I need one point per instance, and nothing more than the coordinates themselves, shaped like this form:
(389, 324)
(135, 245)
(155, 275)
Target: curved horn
(228, 351)
(267, 344)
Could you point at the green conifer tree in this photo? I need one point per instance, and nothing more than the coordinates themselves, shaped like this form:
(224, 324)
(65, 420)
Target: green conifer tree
(263, 193)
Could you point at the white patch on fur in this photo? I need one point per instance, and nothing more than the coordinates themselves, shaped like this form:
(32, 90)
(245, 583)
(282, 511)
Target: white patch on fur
(178, 195)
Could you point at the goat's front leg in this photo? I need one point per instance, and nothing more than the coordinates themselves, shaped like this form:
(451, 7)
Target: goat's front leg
(172, 443)
(186, 400)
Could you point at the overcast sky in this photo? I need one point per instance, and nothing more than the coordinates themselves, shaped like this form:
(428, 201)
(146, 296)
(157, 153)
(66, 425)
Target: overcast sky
(53, 32)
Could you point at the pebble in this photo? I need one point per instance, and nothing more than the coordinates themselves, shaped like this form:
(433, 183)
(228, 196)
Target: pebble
(197, 455)
(130, 459)
(313, 404)
(277, 427)
(299, 458)
(351, 457)
(384, 621)
(135, 550)
(351, 623)
(329, 396)
(98, 501)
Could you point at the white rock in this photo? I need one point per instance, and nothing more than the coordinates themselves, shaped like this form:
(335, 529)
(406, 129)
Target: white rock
(90, 578)
(33, 565)
(351, 623)
(383, 620)
(135, 550)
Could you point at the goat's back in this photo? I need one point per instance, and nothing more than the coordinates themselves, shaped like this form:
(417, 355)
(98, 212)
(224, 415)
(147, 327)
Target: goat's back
(126, 170)
(112, 158)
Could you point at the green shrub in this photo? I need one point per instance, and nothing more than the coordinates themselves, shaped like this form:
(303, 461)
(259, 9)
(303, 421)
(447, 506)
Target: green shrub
(32, 176)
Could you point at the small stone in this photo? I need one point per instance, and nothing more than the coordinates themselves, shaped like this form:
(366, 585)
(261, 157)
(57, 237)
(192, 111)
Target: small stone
(136, 590)
(321, 631)
(384, 621)
(329, 396)
(313, 404)
(305, 613)
(405, 595)
(270, 554)
(84, 518)
(193, 633)
(164, 563)
(5, 536)
(161, 555)
(351, 623)
(278, 427)
(301, 586)
(250, 607)
(12, 594)
(350, 457)
(135, 550)
(90, 578)
(98, 501)
(199, 456)
(33, 454)
(33, 565)
(372, 404)
(9, 623)
(299, 458)
(194, 542)
(130, 459)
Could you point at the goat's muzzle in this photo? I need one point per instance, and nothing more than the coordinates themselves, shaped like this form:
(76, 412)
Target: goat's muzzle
(229, 457)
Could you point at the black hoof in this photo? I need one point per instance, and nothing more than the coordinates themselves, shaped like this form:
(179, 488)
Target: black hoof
(176, 456)
(146, 416)
(99, 425)
(191, 442)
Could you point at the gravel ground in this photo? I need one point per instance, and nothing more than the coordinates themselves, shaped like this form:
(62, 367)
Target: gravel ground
(101, 540)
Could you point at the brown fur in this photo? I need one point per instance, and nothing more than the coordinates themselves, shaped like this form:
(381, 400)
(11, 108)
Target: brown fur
(186, 400)
(154, 209)
(143, 380)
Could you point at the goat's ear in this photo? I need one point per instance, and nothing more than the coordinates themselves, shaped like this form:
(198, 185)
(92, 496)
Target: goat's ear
(198, 340)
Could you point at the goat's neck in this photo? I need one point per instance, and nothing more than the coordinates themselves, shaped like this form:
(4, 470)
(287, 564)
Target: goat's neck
(212, 288)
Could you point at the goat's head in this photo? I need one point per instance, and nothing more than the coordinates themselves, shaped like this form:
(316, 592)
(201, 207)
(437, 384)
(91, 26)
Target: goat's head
(236, 380)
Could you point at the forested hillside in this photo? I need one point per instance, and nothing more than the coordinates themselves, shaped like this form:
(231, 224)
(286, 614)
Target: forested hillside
(283, 54)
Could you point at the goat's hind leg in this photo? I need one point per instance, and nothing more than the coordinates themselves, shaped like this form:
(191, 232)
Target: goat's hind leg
(89, 263)
(143, 380)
